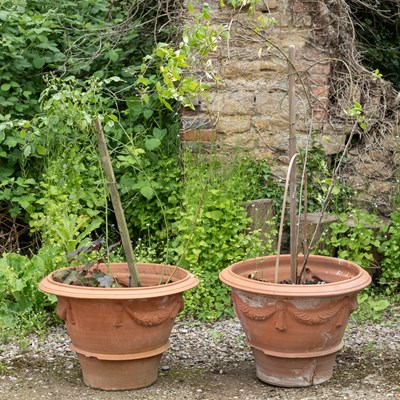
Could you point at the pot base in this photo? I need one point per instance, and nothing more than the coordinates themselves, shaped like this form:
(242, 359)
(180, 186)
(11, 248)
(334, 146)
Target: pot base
(293, 372)
(119, 374)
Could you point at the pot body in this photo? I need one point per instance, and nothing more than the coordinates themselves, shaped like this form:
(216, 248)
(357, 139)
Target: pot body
(120, 334)
(295, 331)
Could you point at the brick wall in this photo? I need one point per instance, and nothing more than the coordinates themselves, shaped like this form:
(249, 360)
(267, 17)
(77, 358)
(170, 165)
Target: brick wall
(248, 107)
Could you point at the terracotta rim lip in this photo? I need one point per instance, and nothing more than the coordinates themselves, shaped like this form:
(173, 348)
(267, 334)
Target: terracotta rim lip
(189, 281)
(232, 278)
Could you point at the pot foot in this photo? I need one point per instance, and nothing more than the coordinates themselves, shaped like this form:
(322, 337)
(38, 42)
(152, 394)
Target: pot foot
(293, 372)
(119, 374)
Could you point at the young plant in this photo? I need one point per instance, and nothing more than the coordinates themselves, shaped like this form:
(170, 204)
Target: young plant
(89, 258)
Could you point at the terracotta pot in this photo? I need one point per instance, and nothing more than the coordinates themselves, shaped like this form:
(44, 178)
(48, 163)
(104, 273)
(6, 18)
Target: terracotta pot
(295, 331)
(120, 334)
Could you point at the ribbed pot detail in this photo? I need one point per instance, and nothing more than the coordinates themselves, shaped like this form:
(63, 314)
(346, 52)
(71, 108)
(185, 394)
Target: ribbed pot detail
(295, 331)
(120, 334)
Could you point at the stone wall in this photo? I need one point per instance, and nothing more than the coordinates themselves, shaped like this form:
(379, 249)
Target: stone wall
(248, 107)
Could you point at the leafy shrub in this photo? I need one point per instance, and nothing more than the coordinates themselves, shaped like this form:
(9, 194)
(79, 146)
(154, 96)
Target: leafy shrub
(372, 306)
(102, 40)
(319, 178)
(211, 228)
(390, 248)
(22, 306)
(377, 30)
(356, 241)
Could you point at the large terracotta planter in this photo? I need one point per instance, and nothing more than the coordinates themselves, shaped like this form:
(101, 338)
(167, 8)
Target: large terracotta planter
(295, 331)
(120, 334)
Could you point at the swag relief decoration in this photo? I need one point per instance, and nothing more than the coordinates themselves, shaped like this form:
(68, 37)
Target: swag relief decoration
(145, 318)
(285, 309)
(142, 317)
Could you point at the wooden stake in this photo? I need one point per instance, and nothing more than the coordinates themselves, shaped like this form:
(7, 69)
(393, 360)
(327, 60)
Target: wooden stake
(116, 202)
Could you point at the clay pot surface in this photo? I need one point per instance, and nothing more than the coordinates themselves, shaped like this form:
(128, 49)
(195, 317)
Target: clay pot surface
(295, 331)
(120, 334)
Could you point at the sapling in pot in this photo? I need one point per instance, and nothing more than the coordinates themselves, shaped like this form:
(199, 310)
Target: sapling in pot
(295, 318)
(119, 315)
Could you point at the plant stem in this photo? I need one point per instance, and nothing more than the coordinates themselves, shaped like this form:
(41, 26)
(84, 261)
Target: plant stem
(292, 152)
(116, 202)
(326, 201)
(278, 253)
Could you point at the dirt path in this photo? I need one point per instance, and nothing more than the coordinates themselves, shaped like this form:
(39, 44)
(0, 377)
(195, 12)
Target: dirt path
(366, 370)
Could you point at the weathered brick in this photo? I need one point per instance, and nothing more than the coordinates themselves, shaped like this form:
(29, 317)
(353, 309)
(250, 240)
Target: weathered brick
(271, 101)
(233, 124)
(231, 103)
(298, 7)
(198, 135)
(196, 121)
(266, 5)
(319, 114)
(332, 144)
(320, 91)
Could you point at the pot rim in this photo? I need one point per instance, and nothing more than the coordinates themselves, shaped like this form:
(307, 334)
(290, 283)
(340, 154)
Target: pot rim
(189, 281)
(235, 276)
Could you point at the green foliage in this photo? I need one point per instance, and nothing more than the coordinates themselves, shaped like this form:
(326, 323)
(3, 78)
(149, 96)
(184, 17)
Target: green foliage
(237, 4)
(22, 306)
(150, 190)
(211, 228)
(377, 30)
(19, 193)
(264, 184)
(103, 40)
(390, 248)
(356, 238)
(71, 198)
(167, 70)
(29, 46)
(357, 112)
(319, 178)
(371, 306)
(39, 37)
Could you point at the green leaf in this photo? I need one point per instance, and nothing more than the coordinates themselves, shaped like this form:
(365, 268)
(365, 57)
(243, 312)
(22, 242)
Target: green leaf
(113, 117)
(4, 15)
(147, 192)
(11, 141)
(112, 55)
(147, 113)
(165, 102)
(40, 150)
(99, 74)
(215, 215)
(146, 98)
(5, 87)
(159, 133)
(380, 305)
(27, 150)
(152, 144)
(38, 62)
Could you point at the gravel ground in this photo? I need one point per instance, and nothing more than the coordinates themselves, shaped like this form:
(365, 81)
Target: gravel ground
(205, 361)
